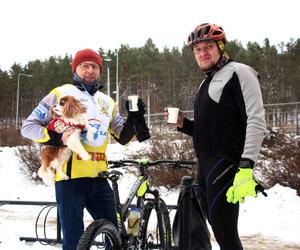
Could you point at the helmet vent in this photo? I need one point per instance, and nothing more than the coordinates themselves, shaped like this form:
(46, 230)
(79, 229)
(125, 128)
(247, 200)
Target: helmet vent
(217, 33)
(206, 32)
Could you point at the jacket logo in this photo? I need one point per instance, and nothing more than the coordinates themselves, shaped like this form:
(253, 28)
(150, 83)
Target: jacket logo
(45, 105)
(104, 106)
(217, 80)
(83, 100)
(40, 113)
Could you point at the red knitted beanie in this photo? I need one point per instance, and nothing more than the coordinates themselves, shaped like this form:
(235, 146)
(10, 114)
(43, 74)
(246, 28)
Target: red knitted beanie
(86, 55)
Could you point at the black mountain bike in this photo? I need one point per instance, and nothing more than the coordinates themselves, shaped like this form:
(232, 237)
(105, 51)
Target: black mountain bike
(102, 234)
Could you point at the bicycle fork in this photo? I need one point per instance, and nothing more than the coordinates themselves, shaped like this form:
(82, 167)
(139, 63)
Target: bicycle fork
(155, 203)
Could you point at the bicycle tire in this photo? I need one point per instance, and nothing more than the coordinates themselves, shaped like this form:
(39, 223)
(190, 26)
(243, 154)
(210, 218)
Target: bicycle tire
(100, 227)
(162, 238)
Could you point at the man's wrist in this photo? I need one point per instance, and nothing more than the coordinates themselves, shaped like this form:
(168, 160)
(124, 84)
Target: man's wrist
(246, 163)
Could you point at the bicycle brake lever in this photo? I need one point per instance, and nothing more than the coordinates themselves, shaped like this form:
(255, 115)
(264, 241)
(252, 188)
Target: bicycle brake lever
(259, 188)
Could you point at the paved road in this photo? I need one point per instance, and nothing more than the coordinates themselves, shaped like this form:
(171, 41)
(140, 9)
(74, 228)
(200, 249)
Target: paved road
(259, 242)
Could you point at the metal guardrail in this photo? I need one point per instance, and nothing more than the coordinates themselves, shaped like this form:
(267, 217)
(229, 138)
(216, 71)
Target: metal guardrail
(33, 203)
(285, 116)
(58, 238)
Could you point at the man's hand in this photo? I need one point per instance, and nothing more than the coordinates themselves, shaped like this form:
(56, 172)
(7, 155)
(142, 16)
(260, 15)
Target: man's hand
(137, 119)
(244, 184)
(141, 108)
(180, 117)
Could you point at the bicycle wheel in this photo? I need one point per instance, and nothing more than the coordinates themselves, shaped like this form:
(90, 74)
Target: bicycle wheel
(155, 230)
(100, 234)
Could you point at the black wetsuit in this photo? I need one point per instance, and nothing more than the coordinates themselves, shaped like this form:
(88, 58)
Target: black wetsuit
(228, 125)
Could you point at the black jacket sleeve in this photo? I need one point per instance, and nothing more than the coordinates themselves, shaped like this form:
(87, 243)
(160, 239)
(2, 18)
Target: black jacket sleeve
(126, 134)
(188, 127)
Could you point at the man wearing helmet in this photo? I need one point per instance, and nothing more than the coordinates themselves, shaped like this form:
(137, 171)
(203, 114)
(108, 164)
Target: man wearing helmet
(227, 131)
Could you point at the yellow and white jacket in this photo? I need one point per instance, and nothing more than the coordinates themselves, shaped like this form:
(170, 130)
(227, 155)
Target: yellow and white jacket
(103, 116)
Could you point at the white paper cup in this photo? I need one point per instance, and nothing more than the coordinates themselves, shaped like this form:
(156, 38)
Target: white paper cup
(133, 103)
(173, 115)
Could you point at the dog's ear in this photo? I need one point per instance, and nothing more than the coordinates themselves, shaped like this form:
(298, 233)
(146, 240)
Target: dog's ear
(82, 108)
(73, 107)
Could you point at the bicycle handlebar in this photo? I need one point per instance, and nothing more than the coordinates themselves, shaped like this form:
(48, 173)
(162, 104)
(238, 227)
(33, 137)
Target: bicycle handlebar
(174, 163)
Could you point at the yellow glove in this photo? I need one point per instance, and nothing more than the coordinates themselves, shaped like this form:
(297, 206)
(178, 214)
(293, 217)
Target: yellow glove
(244, 184)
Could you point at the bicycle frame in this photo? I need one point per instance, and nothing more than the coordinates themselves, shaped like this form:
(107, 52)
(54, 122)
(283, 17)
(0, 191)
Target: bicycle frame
(139, 188)
(119, 236)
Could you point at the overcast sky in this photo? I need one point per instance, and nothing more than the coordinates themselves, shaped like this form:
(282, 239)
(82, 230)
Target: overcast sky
(38, 29)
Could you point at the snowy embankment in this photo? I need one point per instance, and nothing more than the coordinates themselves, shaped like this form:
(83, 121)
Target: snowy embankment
(276, 216)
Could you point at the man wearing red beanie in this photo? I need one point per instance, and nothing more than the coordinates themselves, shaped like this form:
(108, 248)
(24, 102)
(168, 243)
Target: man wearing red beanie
(84, 189)
(86, 55)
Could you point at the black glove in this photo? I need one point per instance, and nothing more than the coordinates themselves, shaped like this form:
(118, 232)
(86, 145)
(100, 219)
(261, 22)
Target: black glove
(141, 129)
(138, 120)
(141, 106)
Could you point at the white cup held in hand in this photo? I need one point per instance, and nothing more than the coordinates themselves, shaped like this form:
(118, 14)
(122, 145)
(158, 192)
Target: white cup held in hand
(133, 103)
(173, 115)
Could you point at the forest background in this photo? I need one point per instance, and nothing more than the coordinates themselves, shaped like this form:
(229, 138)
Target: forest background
(163, 78)
(167, 77)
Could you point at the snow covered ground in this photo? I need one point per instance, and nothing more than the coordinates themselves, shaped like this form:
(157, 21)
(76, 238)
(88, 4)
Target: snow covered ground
(274, 219)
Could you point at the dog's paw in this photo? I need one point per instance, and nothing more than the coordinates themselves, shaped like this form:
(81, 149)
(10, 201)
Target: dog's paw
(64, 176)
(40, 173)
(85, 156)
(49, 181)
(50, 173)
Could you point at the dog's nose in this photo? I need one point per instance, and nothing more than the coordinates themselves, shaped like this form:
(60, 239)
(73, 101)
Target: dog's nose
(54, 106)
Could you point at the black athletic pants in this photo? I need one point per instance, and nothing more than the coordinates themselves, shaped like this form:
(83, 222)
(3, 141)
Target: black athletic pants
(215, 176)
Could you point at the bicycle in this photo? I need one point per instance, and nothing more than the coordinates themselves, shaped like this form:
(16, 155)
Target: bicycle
(102, 233)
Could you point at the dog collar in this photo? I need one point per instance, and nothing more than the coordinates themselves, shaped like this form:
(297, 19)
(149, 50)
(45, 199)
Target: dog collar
(60, 126)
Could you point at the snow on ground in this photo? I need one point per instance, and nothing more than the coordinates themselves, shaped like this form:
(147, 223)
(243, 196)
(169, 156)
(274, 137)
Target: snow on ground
(276, 216)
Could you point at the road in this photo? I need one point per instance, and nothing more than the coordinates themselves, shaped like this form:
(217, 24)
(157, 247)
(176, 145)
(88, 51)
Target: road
(259, 242)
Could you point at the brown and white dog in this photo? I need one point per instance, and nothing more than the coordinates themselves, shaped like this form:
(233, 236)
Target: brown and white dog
(67, 113)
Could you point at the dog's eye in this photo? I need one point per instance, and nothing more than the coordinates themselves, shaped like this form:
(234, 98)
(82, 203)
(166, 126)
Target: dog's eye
(62, 102)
